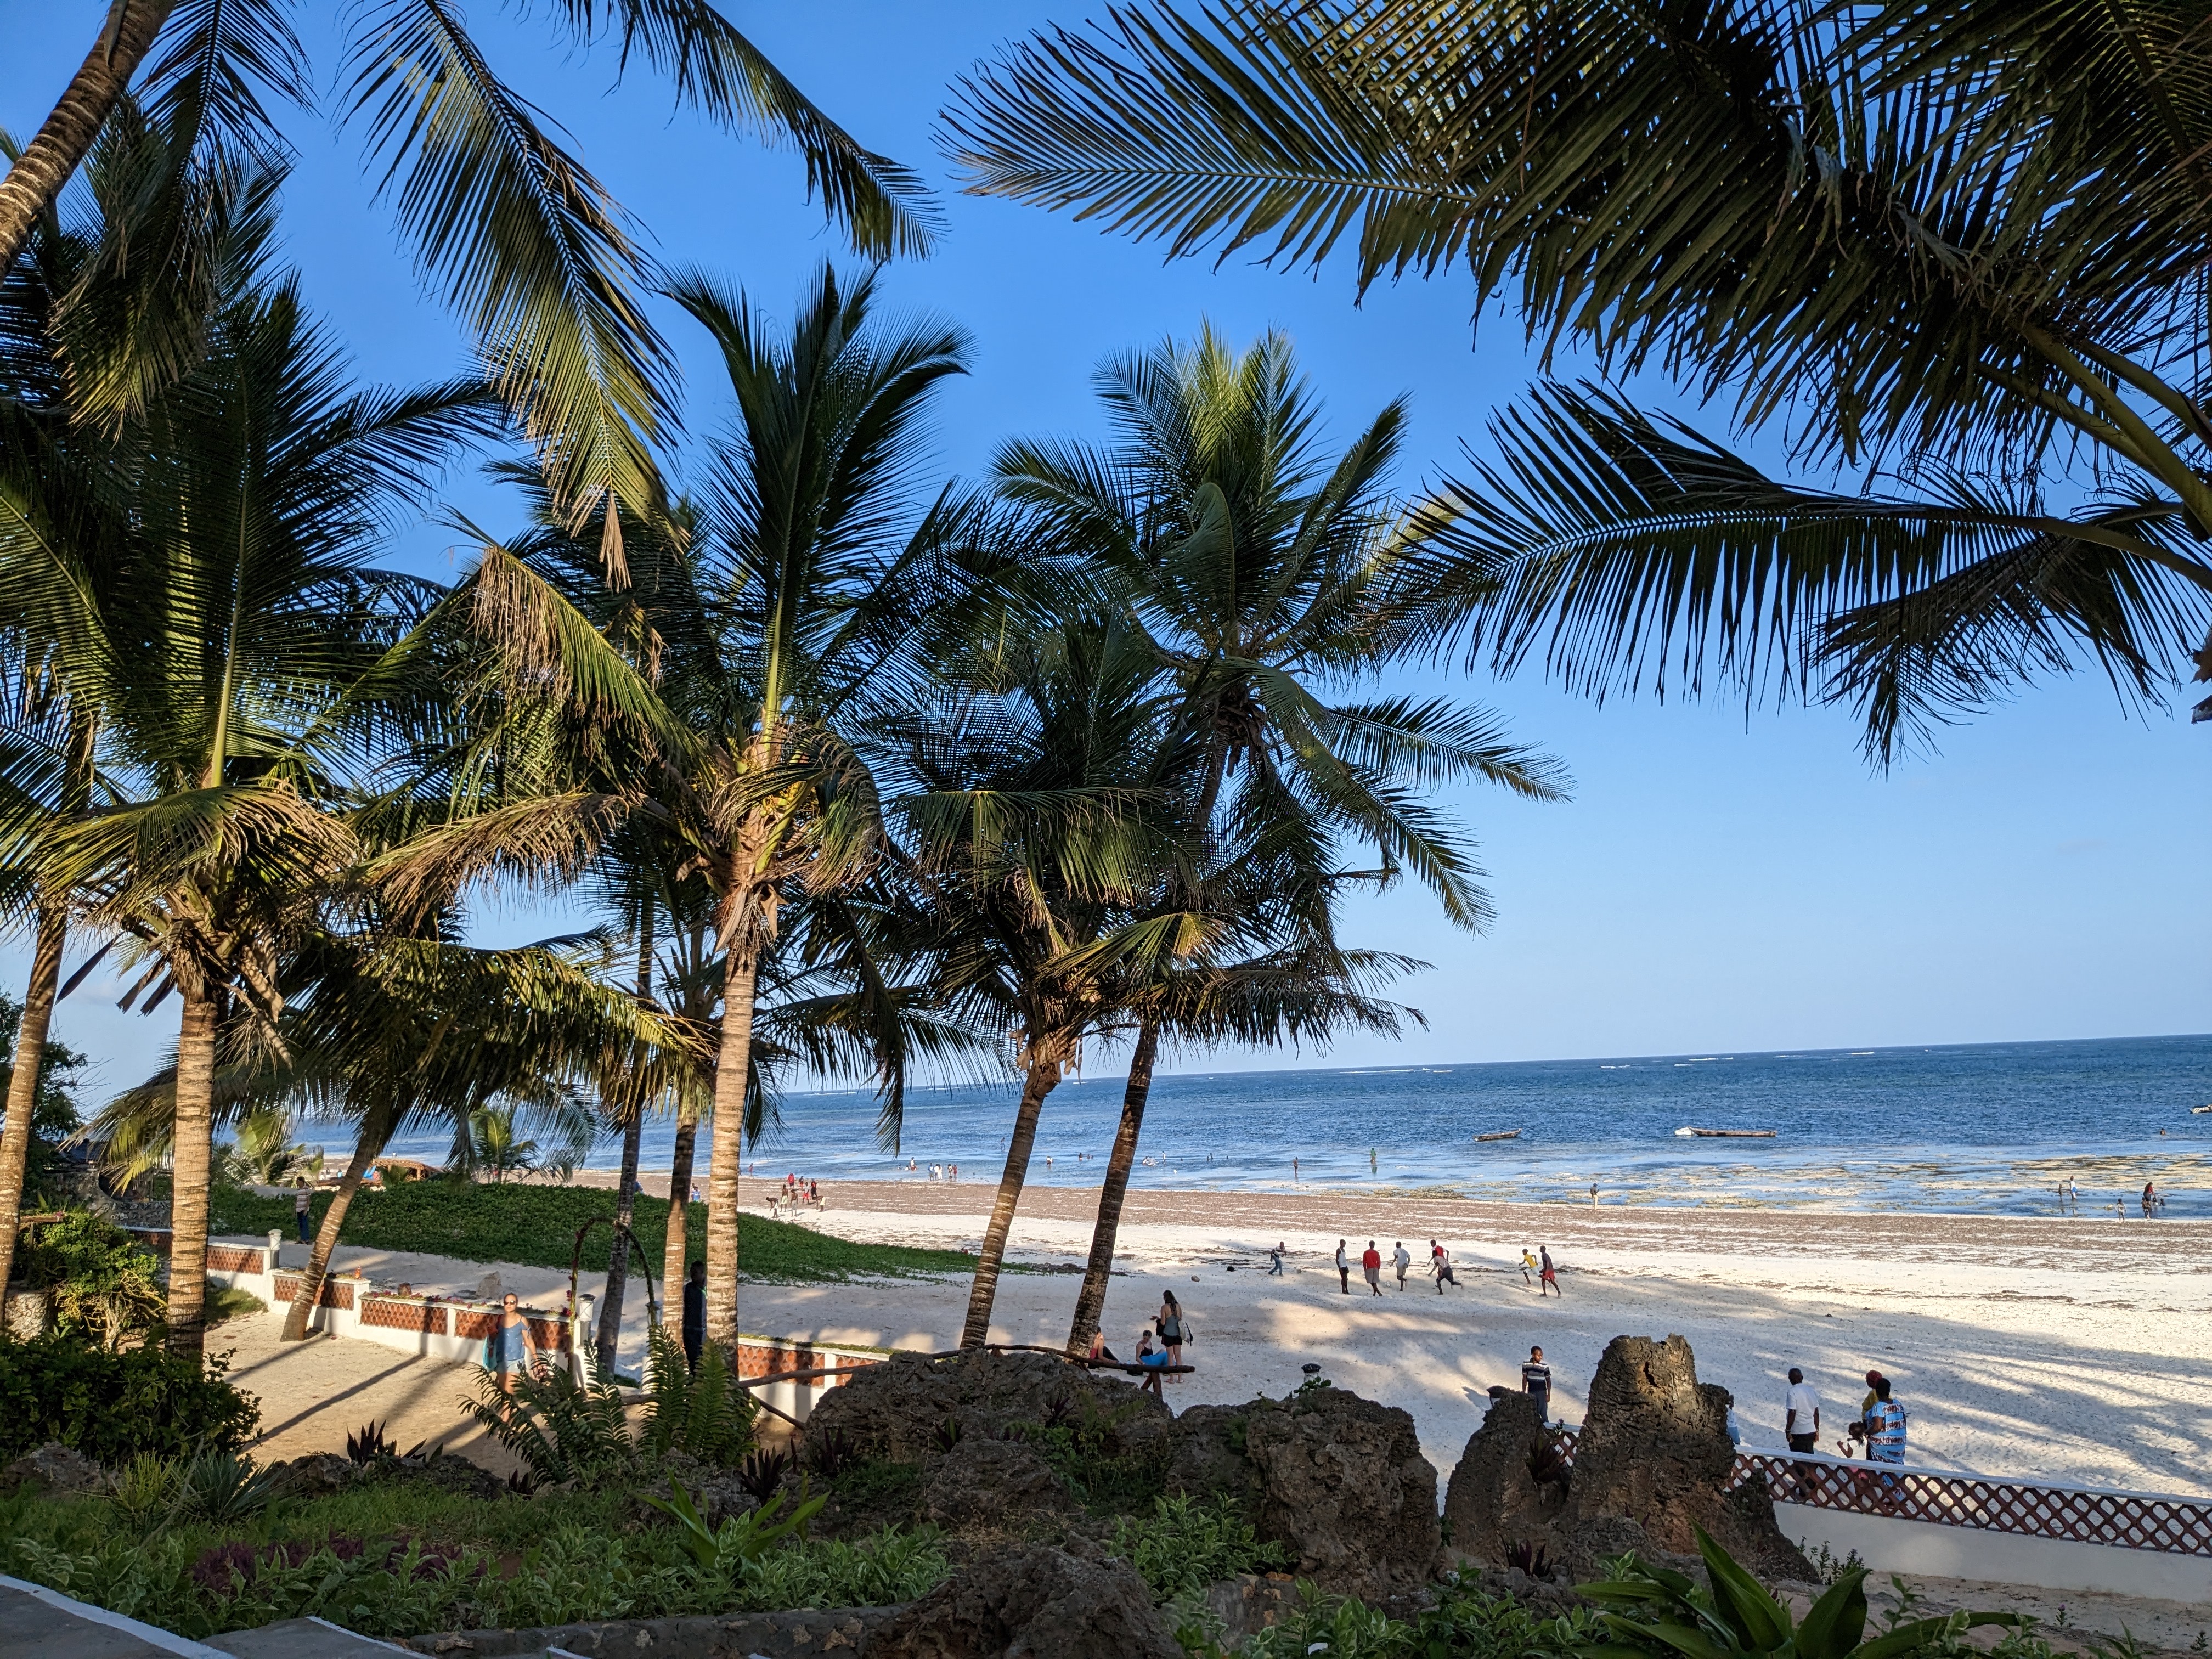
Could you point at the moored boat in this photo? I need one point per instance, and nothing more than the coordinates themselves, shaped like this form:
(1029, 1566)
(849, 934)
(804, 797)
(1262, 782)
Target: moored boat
(1501, 1134)
(1726, 1134)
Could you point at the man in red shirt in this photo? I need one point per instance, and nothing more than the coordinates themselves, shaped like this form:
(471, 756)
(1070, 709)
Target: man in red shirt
(1371, 1263)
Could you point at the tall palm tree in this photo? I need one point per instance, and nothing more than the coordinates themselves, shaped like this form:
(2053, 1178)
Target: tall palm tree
(813, 582)
(257, 630)
(1031, 831)
(114, 288)
(522, 240)
(1952, 248)
(1253, 565)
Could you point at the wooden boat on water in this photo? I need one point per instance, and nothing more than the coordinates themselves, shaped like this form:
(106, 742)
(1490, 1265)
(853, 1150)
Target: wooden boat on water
(1726, 1134)
(1501, 1134)
(2199, 1111)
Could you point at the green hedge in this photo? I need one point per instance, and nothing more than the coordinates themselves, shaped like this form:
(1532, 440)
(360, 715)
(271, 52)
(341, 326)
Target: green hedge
(111, 1406)
(536, 1226)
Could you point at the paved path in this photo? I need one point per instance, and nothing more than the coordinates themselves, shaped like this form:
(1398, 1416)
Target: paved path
(314, 1394)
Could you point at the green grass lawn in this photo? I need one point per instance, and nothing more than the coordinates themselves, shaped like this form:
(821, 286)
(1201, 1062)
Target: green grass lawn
(536, 1226)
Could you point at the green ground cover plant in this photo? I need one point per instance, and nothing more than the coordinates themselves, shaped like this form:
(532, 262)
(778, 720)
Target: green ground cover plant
(113, 1407)
(536, 1227)
(402, 1559)
(1183, 1546)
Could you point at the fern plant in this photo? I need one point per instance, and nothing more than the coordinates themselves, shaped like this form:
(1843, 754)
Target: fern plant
(702, 1413)
(563, 1430)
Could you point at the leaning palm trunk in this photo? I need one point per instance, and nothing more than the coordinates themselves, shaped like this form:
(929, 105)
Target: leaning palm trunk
(373, 1133)
(39, 173)
(188, 1175)
(610, 1309)
(1042, 1079)
(610, 1314)
(1091, 1300)
(675, 1255)
(740, 984)
(23, 1083)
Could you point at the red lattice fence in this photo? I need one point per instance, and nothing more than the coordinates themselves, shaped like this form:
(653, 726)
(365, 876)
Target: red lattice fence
(2078, 1515)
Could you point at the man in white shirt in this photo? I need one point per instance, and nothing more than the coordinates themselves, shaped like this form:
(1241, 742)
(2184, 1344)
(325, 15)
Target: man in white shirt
(1401, 1258)
(1800, 1414)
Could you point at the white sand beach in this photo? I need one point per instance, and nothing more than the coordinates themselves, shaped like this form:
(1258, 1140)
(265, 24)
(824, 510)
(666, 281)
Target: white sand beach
(2068, 1350)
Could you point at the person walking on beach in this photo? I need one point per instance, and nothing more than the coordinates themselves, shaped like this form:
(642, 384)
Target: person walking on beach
(1440, 1265)
(1401, 1258)
(512, 1346)
(1536, 1383)
(1174, 1330)
(1548, 1276)
(300, 1205)
(1343, 1268)
(695, 1314)
(1371, 1264)
(1275, 1258)
(2150, 1199)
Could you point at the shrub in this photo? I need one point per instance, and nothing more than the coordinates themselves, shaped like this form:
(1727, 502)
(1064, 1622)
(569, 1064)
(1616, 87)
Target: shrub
(106, 1286)
(1183, 1546)
(112, 1406)
(1085, 1447)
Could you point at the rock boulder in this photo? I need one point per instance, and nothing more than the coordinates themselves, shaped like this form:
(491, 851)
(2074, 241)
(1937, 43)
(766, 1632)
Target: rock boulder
(1655, 1450)
(1506, 1488)
(897, 1410)
(1030, 1604)
(1344, 1484)
(992, 1483)
(53, 1468)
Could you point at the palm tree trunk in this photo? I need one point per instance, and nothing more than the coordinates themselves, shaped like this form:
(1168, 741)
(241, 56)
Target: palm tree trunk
(65, 140)
(1091, 1300)
(188, 1175)
(1042, 1079)
(374, 1132)
(610, 1308)
(675, 1255)
(732, 1064)
(23, 1081)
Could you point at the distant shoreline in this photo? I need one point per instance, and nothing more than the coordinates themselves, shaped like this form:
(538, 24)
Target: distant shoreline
(1904, 1233)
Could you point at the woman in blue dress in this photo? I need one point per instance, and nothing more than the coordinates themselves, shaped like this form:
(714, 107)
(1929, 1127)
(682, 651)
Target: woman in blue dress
(512, 1346)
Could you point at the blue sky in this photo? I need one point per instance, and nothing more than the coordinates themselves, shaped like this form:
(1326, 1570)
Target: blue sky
(1717, 882)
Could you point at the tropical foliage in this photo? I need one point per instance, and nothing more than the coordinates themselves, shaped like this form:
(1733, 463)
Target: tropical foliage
(1953, 249)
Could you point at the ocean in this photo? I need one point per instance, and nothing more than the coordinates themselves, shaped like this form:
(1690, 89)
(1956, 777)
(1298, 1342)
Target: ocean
(1988, 1127)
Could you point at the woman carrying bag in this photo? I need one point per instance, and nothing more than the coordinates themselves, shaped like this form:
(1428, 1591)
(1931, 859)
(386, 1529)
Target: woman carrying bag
(1174, 1330)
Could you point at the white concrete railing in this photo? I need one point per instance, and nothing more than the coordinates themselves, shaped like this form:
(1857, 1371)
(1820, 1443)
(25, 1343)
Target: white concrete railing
(454, 1328)
(1953, 1523)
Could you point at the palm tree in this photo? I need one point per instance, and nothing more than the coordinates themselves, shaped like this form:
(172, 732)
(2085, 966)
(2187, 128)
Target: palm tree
(531, 248)
(117, 295)
(257, 631)
(1254, 565)
(732, 727)
(1952, 248)
(1025, 796)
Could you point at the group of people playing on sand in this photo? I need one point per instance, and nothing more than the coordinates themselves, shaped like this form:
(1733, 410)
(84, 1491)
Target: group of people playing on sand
(1537, 1271)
